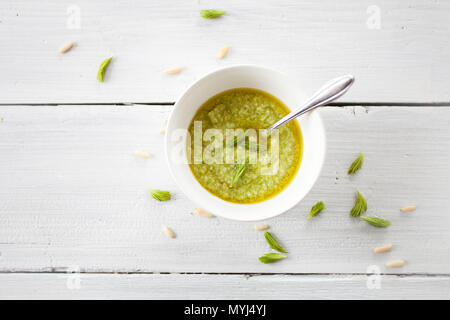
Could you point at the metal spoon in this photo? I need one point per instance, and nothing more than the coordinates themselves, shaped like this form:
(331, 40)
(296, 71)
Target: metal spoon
(329, 92)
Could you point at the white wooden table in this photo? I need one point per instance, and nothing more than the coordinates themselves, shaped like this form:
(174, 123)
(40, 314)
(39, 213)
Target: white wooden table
(73, 196)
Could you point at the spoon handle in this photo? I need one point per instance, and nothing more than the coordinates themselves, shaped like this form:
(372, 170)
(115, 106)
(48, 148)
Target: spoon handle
(329, 92)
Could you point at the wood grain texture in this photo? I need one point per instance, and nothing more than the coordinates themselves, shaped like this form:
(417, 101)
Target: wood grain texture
(184, 286)
(406, 60)
(73, 194)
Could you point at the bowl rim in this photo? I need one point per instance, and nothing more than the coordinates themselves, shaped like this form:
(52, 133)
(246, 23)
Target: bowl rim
(320, 125)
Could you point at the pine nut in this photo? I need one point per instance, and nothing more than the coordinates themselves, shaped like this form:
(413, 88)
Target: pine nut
(261, 227)
(408, 208)
(66, 47)
(173, 70)
(168, 232)
(203, 213)
(383, 248)
(142, 154)
(223, 52)
(395, 263)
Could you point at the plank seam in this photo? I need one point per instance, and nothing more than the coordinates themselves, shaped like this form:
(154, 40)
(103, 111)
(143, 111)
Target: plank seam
(417, 274)
(130, 104)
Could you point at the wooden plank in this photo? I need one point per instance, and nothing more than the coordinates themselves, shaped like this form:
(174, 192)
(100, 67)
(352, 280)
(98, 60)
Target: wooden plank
(73, 194)
(405, 60)
(195, 286)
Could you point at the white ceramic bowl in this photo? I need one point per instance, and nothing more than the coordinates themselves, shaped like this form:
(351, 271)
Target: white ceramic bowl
(245, 76)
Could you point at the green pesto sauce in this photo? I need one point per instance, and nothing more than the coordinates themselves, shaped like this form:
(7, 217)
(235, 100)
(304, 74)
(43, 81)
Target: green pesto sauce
(247, 109)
